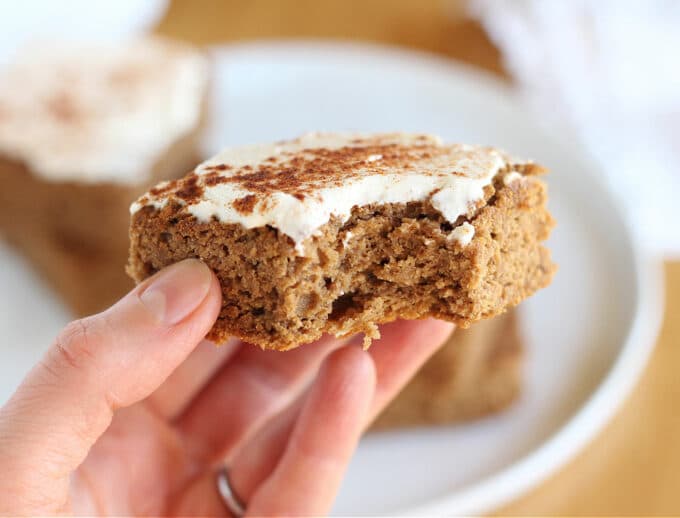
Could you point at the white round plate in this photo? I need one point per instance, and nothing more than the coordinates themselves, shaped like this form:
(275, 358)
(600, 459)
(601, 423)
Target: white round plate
(588, 335)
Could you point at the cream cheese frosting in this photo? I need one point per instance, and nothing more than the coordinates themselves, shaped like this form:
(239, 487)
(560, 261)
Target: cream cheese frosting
(512, 177)
(297, 186)
(463, 234)
(99, 113)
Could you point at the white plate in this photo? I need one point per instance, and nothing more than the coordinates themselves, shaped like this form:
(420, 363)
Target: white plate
(588, 335)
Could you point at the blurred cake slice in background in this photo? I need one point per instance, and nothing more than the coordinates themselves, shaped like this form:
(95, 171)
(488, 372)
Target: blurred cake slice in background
(84, 130)
(477, 372)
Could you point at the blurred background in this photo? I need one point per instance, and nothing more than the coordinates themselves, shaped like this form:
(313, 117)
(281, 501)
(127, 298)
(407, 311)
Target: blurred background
(601, 78)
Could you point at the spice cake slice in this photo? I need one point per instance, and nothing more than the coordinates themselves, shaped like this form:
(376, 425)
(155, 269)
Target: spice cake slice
(85, 129)
(336, 233)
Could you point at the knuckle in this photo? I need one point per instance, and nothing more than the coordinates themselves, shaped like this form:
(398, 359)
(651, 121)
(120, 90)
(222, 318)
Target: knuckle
(76, 349)
(74, 346)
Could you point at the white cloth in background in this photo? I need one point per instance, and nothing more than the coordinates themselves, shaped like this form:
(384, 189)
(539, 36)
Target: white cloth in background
(608, 73)
(88, 20)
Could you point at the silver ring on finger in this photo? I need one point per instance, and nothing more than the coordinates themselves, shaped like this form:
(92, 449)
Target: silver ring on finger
(231, 500)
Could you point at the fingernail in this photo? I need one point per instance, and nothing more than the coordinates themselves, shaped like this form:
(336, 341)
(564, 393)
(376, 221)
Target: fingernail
(175, 292)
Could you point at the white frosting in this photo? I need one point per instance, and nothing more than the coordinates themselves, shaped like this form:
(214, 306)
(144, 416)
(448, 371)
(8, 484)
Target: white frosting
(99, 113)
(511, 177)
(462, 234)
(451, 177)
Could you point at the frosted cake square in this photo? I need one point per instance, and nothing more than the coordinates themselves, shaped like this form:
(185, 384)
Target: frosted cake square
(333, 233)
(85, 130)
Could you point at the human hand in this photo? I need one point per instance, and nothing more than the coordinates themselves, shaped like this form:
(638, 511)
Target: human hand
(131, 413)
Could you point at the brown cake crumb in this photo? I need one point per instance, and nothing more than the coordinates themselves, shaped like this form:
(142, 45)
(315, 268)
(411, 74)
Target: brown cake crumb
(385, 261)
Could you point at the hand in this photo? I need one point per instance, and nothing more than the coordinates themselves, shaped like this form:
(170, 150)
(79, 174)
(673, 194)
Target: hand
(131, 413)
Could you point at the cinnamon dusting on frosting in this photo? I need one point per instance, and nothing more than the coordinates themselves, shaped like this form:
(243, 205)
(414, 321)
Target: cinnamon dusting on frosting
(245, 205)
(190, 189)
(296, 186)
(305, 173)
(163, 188)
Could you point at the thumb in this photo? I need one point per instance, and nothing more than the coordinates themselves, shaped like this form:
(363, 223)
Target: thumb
(95, 366)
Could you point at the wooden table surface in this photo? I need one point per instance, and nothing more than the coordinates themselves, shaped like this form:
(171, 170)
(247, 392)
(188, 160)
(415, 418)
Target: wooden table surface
(633, 466)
